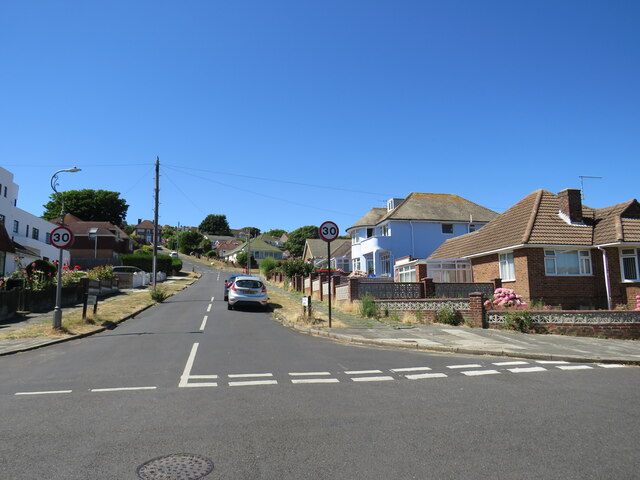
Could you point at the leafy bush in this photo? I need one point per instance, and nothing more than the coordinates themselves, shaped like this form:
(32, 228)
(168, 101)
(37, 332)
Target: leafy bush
(268, 265)
(211, 254)
(241, 259)
(104, 272)
(158, 295)
(296, 266)
(504, 298)
(176, 264)
(520, 320)
(448, 315)
(368, 308)
(145, 262)
(42, 266)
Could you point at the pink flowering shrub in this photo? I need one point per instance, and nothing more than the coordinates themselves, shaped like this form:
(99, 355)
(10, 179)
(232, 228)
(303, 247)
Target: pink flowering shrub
(637, 302)
(504, 298)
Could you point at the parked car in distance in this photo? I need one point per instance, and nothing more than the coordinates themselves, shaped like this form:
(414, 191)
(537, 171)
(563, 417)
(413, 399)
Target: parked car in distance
(228, 282)
(174, 254)
(247, 291)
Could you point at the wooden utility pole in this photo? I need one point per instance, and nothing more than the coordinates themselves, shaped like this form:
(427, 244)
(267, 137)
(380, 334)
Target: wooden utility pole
(155, 223)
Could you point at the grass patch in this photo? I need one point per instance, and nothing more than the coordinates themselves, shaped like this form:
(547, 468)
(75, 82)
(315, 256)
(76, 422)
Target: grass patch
(110, 312)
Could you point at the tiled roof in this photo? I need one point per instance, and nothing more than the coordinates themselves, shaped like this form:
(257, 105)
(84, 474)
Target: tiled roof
(535, 220)
(371, 218)
(146, 224)
(340, 247)
(439, 207)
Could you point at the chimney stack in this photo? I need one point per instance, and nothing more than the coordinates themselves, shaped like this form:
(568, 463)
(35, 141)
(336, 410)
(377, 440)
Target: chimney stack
(571, 204)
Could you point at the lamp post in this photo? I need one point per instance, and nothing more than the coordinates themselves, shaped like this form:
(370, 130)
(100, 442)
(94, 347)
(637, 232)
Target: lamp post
(57, 312)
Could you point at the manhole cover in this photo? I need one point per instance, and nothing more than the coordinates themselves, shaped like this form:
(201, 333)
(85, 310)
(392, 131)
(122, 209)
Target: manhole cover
(181, 466)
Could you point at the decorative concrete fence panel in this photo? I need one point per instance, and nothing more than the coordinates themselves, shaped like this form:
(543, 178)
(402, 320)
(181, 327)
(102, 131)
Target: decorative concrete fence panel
(592, 323)
(462, 290)
(391, 290)
(342, 292)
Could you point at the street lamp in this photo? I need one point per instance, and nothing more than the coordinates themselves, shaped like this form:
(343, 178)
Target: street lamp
(57, 312)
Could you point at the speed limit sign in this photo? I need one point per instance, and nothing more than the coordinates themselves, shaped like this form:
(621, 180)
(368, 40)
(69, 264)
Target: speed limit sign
(61, 237)
(329, 231)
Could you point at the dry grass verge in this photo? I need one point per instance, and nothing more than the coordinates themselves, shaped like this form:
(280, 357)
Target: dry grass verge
(110, 312)
(291, 309)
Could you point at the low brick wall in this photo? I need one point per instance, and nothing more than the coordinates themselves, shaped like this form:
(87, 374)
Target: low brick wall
(427, 308)
(592, 323)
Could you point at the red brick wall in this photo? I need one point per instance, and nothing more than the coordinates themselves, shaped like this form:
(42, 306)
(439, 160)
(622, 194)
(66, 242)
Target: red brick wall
(533, 284)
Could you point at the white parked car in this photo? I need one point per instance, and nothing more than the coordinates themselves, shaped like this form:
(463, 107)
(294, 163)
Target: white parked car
(247, 291)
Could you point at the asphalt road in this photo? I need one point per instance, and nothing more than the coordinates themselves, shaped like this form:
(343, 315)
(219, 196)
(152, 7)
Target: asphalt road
(261, 401)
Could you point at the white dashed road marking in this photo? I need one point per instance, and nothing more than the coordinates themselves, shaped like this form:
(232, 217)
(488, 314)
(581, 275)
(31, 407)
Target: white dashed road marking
(44, 393)
(508, 364)
(574, 367)
(527, 370)
(204, 322)
(121, 389)
(421, 376)
(372, 379)
(552, 362)
(315, 380)
(476, 373)
(209, 308)
(411, 369)
(252, 382)
(308, 374)
(611, 365)
(362, 372)
(249, 375)
(473, 365)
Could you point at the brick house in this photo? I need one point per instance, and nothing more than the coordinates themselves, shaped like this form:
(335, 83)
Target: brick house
(144, 230)
(96, 243)
(550, 247)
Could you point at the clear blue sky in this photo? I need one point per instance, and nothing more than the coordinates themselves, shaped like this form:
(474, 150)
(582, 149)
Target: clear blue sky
(286, 113)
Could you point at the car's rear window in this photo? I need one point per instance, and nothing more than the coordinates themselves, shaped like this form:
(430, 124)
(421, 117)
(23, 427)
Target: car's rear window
(249, 283)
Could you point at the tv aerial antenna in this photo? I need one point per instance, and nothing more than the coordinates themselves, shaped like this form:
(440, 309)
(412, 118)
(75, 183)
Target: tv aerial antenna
(582, 177)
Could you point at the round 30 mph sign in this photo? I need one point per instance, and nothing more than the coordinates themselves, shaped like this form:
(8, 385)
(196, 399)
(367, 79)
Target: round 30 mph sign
(328, 231)
(61, 237)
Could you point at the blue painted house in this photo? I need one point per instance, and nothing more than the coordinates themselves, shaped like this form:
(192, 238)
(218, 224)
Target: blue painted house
(413, 226)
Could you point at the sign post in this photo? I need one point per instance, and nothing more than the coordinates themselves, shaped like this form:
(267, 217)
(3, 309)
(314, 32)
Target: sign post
(61, 237)
(328, 232)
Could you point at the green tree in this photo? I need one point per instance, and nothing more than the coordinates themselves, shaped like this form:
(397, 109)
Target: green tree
(215, 225)
(297, 238)
(129, 229)
(241, 260)
(253, 231)
(296, 266)
(276, 232)
(88, 205)
(168, 232)
(189, 241)
(204, 245)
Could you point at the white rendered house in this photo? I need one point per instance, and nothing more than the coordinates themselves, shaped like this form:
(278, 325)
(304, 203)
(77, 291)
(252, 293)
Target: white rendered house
(30, 234)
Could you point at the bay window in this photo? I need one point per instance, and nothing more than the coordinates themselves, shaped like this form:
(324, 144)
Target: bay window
(567, 262)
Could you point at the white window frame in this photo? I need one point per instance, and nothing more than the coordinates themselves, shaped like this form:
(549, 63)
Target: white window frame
(407, 273)
(356, 264)
(385, 264)
(384, 230)
(585, 266)
(630, 254)
(507, 267)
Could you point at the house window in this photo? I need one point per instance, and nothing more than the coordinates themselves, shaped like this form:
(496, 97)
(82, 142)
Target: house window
(407, 273)
(447, 228)
(507, 267)
(567, 262)
(472, 227)
(630, 258)
(5, 192)
(47, 239)
(369, 232)
(370, 266)
(356, 264)
(384, 231)
(35, 234)
(1, 219)
(385, 265)
(27, 232)
(16, 226)
(450, 272)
